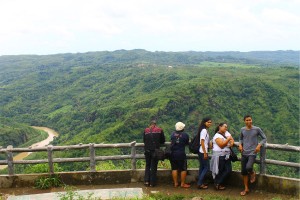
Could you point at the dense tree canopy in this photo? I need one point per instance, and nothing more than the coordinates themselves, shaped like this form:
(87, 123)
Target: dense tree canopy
(112, 96)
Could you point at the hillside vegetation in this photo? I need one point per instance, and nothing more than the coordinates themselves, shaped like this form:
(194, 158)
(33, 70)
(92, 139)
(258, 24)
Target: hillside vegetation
(111, 96)
(17, 134)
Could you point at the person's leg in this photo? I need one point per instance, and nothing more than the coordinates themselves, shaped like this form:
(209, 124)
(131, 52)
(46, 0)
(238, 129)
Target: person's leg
(227, 170)
(250, 163)
(153, 170)
(244, 172)
(204, 166)
(182, 178)
(201, 167)
(245, 180)
(249, 168)
(219, 177)
(175, 177)
(174, 172)
(147, 168)
(183, 173)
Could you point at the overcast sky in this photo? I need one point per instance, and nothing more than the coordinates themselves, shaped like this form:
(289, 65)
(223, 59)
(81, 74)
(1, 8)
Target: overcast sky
(72, 26)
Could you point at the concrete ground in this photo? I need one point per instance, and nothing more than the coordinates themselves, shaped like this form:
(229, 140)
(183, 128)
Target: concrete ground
(168, 189)
(90, 193)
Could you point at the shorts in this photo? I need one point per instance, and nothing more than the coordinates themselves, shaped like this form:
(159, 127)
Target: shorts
(179, 165)
(247, 163)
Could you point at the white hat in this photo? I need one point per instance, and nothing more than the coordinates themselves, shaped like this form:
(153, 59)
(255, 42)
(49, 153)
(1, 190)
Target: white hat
(179, 126)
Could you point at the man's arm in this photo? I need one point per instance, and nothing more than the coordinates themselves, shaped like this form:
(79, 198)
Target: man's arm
(263, 140)
(241, 142)
(263, 137)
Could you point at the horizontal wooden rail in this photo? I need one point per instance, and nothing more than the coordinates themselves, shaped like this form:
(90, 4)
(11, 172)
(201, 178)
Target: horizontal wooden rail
(284, 147)
(283, 163)
(133, 156)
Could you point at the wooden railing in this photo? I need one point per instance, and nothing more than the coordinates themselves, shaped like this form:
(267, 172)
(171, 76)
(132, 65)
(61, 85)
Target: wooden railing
(93, 158)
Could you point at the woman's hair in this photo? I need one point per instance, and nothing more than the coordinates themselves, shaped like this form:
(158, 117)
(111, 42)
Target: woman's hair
(202, 124)
(218, 127)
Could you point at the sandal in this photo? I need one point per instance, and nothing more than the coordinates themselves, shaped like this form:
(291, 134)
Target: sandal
(146, 184)
(244, 193)
(203, 186)
(185, 186)
(220, 187)
(176, 185)
(252, 177)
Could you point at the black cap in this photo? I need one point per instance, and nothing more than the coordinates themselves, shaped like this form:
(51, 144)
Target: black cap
(153, 122)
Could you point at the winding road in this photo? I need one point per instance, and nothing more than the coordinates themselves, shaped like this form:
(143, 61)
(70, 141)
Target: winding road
(51, 135)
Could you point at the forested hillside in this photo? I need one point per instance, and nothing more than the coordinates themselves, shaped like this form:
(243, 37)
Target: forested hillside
(112, 96)
(18, 135)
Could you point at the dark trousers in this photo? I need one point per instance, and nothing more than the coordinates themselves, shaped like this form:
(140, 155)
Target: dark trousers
(204, 167)
(151, 168)
(247, 163)
(225, 169)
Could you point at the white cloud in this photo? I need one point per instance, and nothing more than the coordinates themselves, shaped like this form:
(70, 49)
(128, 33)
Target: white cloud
(171, 25)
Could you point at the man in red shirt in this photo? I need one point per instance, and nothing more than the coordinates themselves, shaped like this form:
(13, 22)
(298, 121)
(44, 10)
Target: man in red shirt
(153, 137)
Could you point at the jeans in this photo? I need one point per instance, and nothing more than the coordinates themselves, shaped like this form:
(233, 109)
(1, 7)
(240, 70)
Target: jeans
(224, 170)
(151, 168)
(204, 166)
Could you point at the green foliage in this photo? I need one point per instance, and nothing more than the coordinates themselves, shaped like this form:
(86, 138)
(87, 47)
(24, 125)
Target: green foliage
(114, 165)
(41, 168)
(111, 96)
(17, 134)
(71, 194)
(48, 182)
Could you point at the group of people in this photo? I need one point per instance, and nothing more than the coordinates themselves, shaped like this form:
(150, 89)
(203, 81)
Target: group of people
(220, 144)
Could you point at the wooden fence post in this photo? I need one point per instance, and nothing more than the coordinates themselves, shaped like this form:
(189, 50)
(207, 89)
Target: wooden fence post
(133, 155)
(92, 158)
(10, 160)
(263, 152)
(50, 159)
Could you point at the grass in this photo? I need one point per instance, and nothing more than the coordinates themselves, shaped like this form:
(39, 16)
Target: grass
(72, 194)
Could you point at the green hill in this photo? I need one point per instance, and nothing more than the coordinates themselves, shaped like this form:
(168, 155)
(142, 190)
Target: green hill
(111, 96)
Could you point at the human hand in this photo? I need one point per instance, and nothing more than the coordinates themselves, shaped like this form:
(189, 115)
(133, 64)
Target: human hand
(210, 144)
(241, 148)
(257, 149)
(231, 143)
(205, 156)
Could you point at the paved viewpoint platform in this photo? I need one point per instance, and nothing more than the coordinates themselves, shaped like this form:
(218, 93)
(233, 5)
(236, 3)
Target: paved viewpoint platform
(137, 190)
(266, 186)
(96, 193)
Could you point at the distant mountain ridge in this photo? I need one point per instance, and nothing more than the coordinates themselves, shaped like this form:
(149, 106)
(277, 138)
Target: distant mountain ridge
(288, 57)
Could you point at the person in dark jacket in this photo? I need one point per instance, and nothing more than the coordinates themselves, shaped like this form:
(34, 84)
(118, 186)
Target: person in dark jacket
(153, 137)
(179, 139)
